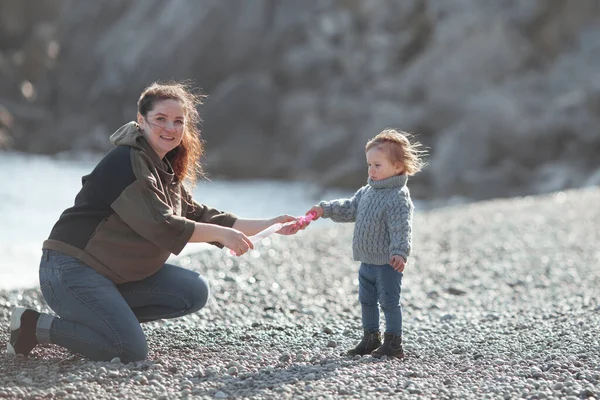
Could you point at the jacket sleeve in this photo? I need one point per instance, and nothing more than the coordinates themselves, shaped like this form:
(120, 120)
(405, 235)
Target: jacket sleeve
(399, 224)
(144, 207)
(342, 210)
(203, 213)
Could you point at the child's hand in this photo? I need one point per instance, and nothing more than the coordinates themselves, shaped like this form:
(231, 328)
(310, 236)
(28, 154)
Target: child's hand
(318, 210)
(397, 262)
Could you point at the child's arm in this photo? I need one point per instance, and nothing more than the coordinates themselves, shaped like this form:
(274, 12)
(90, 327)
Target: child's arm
(340, 210)
(400, 213)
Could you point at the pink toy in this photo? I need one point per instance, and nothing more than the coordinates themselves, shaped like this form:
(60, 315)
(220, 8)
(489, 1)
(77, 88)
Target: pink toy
(275, 227)
(308, 217)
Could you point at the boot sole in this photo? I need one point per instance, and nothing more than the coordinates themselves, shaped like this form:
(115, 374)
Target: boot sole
(399, 357)
(366, 353)
(15, 323)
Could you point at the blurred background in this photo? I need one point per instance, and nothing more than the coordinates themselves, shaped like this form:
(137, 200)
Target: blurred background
(506, 93)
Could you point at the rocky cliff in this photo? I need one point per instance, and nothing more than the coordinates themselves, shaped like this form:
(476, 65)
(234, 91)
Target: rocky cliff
(505, 93)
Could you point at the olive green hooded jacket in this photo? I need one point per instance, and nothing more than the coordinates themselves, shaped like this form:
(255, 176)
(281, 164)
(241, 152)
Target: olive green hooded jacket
(130, 213)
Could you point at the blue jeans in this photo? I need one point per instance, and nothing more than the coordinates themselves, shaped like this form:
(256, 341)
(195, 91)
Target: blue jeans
(380, 284)
(100, 319)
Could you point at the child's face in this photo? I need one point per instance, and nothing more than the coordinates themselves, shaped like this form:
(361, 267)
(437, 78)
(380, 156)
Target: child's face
(380, 166)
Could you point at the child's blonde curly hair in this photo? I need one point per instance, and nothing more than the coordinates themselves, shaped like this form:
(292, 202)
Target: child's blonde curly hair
(400, 149)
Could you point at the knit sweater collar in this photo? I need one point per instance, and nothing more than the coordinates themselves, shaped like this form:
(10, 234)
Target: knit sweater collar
(393, 181)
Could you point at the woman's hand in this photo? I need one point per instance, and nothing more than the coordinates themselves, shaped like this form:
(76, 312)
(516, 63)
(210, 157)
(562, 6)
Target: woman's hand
(397, 262)
(290, 229)
(318, 210)
(235, 240)
(282, 219)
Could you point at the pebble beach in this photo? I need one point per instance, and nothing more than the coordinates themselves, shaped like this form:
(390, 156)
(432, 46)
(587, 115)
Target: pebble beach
(501, 300)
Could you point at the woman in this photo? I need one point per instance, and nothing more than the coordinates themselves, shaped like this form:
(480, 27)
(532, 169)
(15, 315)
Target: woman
(103, 266)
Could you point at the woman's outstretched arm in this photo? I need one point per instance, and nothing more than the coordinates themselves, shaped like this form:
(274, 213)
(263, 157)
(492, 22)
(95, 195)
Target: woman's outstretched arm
(252, 226)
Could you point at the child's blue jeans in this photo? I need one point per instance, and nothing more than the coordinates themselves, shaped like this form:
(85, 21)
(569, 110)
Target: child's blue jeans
(100, 319)
(380, 285)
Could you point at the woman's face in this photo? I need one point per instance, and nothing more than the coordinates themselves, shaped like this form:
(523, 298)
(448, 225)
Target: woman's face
(163, 126)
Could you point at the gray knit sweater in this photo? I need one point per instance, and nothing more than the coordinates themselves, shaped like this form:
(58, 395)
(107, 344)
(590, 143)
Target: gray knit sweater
(383, 213)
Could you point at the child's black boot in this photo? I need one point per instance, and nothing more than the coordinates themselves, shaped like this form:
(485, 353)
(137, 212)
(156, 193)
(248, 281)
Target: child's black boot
(369, 342)
(392, 347)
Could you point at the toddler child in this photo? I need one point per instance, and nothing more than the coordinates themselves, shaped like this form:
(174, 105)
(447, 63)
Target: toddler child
(382, 211)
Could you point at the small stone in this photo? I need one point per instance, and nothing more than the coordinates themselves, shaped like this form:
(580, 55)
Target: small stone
(113, 374)
(155, 377)
(115, 360)
(536, 372)
(456, 291)
(586, 393)
(328, 330)
(221, 395)
(187, 384)
(42, 369)
(27, 381)
(285, 358)
(331, 343)
(492, 317)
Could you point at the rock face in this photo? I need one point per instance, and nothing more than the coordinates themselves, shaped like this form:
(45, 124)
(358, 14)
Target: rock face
(505, 93)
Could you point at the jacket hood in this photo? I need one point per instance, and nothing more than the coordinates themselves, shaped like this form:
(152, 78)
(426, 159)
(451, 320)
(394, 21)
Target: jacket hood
(128, 135)
(131, 135)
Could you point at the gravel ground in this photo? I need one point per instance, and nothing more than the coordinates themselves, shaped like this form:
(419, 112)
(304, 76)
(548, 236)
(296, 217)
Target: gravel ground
(501, 300)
